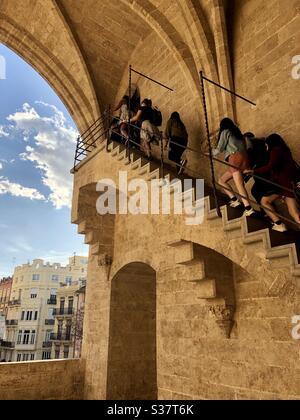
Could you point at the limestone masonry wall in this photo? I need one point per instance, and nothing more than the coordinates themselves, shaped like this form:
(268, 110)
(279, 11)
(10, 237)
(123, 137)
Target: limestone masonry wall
(51, 380)
(265, 36)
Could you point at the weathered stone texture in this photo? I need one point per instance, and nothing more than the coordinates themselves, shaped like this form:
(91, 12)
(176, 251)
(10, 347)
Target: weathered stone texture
(59, 380)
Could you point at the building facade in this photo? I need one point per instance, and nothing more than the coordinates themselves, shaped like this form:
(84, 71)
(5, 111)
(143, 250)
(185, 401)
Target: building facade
(5, 291)
(30, 317)
(69, 315)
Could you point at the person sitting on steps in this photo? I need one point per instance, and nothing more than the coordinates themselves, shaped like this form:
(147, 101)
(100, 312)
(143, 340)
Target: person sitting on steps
(148, 129)
(280, 169)
(232, 143)
(176, 136)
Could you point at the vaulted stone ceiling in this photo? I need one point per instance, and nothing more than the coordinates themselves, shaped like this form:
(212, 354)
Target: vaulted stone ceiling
(107, 33)
(83, 47)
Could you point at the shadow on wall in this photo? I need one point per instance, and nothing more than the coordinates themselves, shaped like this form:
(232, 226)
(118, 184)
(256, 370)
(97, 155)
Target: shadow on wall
(132, 365)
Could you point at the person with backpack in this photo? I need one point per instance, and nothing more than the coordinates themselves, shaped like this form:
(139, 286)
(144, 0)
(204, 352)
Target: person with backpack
(149, 131)
(280, 169)
(176, 136)
(258, 157)
(231, 142)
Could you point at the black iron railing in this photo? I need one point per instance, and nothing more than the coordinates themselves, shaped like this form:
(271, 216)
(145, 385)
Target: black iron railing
(52, 301)
(61, 337)
(88, 141)
(7, 344)
(14, 302)
(50, 322)
(63, 312)
(12, 323)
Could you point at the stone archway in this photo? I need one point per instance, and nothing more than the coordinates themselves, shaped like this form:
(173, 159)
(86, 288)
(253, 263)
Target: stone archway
(132, 357)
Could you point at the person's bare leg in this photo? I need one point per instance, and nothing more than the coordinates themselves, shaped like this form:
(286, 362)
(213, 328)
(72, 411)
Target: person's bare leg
(293, 209)
(240, 185)
(224, 182)
(124, 131)
(267, 203)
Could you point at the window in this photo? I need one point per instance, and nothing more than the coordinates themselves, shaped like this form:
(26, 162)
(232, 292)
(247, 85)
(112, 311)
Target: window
(66, 352)
(26, 337)
(55, 278)
(29, 316)
(70, 305)
(33, 293)
(62, 305)
(33, 335)
(32, 357)
(50, 313)
(69, 281)
(36, 315)
(46, 355)
(25, 357)
(35, 277)
(23, 316)
(19, 357)
(48, 336)
(53, 293)
(19, 341)
(57, 352)
(68, 331)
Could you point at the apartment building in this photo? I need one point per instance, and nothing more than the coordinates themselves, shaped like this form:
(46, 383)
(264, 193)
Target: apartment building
(69, 314)
(30, 318)
(5, 290)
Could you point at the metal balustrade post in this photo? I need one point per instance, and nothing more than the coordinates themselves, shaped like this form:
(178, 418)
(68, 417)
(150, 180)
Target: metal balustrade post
(213, 175)
(129, 117)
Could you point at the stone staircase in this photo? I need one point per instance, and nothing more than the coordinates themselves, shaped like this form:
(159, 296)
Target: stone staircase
(281, 249)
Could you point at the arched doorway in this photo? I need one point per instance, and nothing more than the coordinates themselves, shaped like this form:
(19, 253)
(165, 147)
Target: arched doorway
(132, 365)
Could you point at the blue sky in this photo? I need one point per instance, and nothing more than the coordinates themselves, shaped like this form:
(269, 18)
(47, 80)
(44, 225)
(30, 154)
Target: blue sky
(37, 143)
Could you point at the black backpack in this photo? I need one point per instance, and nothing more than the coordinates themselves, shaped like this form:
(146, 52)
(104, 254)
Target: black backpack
(157, 118)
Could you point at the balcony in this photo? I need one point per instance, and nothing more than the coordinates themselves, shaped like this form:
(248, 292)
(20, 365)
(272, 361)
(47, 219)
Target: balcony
(47, 345)
(14, 302)
(12, 323)
(61, 337)
(52, 301)
(63, 312)
(7, 344)
(50, 322)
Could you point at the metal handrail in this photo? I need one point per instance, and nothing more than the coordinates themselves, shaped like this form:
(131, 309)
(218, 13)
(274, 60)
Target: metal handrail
(129, 141)
(206, 155)
(227, 165)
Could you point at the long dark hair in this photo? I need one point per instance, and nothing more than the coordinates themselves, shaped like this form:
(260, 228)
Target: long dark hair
(176, 117)
(275, 140)
(228, 124)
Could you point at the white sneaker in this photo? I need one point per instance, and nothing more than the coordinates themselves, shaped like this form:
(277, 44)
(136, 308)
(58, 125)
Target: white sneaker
(279, 228)
(249, 213)
(235, 204)
(183, 164)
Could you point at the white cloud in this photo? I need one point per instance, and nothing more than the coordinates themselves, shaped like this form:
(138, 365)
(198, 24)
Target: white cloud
(3, 133)
(53, 149)
(1, 166)
(17, 190)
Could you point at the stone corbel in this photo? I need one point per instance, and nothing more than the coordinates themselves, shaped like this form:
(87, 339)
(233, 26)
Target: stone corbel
(223, 315)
